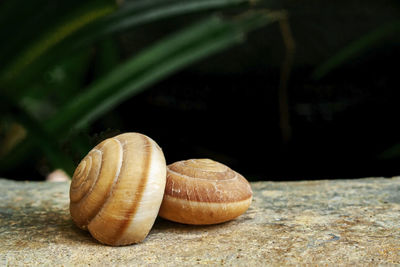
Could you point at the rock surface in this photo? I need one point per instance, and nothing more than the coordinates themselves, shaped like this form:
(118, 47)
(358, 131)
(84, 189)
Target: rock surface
(319, 222)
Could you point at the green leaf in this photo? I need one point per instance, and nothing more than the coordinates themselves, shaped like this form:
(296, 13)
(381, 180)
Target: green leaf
(356, 48)
(138, 12)
(107, 57)
(167, 56)
(23, 64)
(43, 141)
(76, 30)
(390, 153)
(22, 21)
(131, 14)
(68, 77)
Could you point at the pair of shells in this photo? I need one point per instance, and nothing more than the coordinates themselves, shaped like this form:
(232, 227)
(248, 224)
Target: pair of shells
(123, 183)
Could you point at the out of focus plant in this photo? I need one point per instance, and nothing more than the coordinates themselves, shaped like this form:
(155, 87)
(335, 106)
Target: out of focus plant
(375, 38)
(46, 50)
(372, 39)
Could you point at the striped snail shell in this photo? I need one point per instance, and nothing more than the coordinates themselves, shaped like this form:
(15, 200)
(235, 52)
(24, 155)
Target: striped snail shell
(117, 189)
(203, 191)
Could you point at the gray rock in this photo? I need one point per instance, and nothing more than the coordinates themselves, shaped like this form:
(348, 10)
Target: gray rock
(318, 222)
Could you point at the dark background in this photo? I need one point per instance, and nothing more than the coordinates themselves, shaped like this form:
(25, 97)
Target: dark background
(226, 107)
(339, 125)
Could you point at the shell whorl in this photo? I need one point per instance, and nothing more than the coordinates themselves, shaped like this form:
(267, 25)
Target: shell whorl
(117, 189)
(202, 169)
(203, 191)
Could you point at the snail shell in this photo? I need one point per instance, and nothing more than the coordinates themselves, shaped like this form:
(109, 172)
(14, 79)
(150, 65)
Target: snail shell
(203, 191)
(117, 189)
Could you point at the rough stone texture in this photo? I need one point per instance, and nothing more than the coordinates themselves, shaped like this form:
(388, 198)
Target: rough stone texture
(317, 222)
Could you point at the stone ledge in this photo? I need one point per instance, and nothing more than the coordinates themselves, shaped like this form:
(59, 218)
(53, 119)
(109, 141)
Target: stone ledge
(317, 222)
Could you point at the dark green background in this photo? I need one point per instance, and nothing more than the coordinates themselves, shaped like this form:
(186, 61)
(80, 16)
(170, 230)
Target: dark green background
(225, 105)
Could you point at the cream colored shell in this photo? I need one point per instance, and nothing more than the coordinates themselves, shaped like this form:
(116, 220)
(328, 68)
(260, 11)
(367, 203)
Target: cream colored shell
(117, 189)
(203, 191)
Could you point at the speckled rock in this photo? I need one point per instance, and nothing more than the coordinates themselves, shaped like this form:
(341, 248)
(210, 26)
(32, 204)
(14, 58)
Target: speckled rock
(318, 222)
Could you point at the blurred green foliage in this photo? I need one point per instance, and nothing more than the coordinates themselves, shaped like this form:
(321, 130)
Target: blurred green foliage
(49, 47)
(61, 67)
(374, 38)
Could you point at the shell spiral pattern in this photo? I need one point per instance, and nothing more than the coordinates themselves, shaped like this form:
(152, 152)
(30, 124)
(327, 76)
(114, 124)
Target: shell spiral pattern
(203, 191)
(117, 189)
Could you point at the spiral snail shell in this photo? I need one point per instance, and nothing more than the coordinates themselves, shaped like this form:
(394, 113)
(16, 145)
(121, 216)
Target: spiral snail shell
(203, 191)
(117, 189)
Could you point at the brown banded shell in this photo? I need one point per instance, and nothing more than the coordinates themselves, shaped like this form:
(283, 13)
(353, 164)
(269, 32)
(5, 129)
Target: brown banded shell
(117, 189)
(203, 191)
